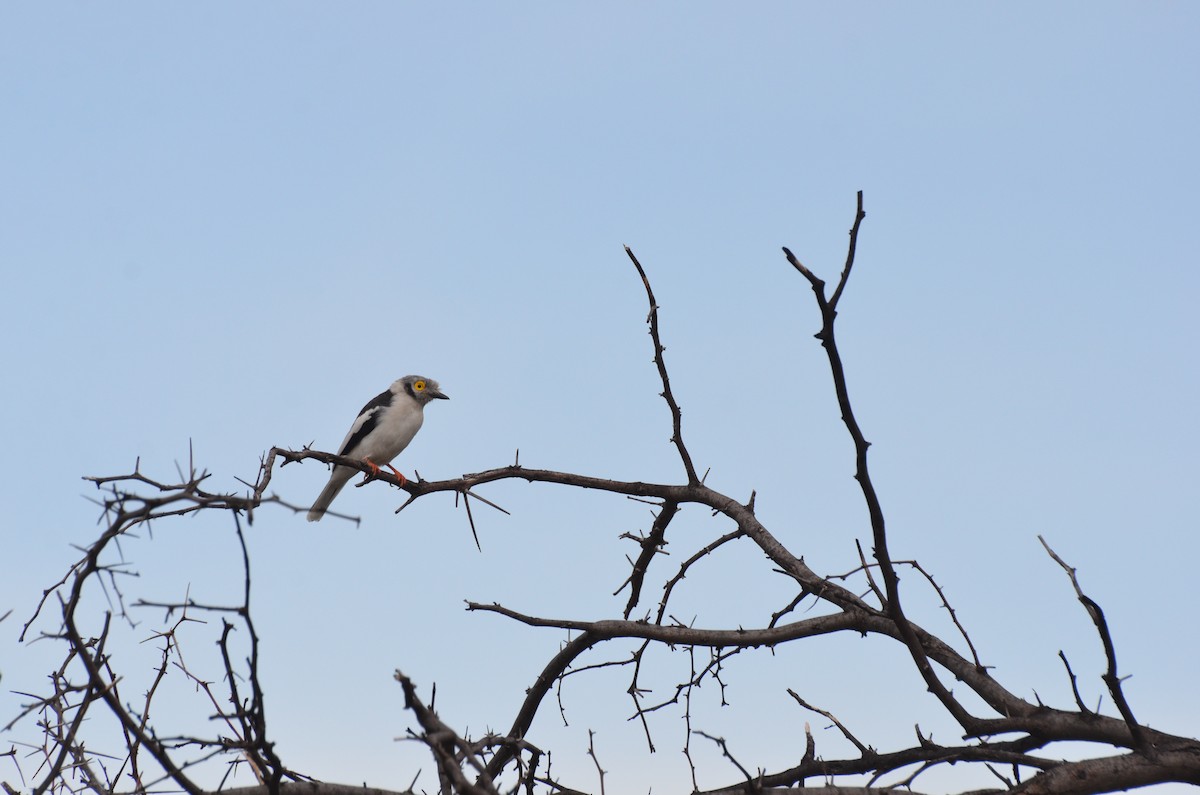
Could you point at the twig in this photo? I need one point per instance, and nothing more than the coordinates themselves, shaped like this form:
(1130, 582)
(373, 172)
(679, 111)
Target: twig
(865, 750)
(676, 414)
(1110, 677)
(720, 741)
(595, 760)
(1074, 684)
(651, 545)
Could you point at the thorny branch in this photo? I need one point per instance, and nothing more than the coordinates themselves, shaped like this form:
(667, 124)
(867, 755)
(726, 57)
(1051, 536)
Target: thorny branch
(1111, 679)
(651, 545)
(828, 308)
(125, 511)
(1126, 753)
(660, 363)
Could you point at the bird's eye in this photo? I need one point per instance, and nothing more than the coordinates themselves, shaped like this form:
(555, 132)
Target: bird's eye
(419, 386)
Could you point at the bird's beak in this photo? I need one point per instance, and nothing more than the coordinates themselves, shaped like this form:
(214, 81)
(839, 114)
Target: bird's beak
(437, 394)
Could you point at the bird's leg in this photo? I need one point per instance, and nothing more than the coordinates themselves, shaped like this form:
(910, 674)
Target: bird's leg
(398, 474)
(375, 470)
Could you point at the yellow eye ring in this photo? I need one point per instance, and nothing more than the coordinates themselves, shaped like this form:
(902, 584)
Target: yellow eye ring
(419, 386)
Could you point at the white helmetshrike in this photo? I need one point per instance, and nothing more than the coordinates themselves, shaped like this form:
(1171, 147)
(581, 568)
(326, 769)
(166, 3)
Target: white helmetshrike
(382, 430)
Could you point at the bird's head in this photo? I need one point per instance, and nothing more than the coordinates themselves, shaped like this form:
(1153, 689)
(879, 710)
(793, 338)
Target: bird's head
(419, 388)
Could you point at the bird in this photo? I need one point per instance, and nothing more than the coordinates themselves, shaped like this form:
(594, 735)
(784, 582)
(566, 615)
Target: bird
(382, 430)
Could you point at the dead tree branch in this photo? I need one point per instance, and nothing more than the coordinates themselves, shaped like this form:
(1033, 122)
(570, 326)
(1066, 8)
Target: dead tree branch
(1001, 730)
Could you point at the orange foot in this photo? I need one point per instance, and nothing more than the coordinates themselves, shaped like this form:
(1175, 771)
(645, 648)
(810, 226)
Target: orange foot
(375, 470)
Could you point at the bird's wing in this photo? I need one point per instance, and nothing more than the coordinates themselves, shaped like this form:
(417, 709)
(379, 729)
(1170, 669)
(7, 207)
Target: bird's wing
(366, 421)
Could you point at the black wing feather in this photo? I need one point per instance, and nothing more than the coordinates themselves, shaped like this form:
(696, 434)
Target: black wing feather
(372, 410)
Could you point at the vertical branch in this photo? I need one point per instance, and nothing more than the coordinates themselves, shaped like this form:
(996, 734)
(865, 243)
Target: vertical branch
(676, 414)
(592, 753)
(859, 215)
(259, 751)
(828, 308)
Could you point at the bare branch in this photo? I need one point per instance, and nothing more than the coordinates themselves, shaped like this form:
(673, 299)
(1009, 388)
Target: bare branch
(862, 749)
(92, 684)
(651, 545)
(592, 754)
(676, 414)
(1111, 679)
(828, 309)
(1074, 684)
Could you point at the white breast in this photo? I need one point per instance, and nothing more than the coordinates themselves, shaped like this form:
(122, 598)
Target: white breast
(396, 429)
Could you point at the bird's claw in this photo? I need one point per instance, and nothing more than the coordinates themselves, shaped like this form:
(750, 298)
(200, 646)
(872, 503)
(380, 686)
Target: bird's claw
(371, 465)
(399, 475)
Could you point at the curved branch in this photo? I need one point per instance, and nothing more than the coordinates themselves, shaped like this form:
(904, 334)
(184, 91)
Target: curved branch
(533, 698)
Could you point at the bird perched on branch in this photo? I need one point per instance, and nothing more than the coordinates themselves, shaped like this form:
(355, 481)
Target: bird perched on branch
(383, 429)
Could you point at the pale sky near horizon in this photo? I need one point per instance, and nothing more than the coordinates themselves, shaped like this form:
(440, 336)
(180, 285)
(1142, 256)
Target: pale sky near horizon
(231, 225)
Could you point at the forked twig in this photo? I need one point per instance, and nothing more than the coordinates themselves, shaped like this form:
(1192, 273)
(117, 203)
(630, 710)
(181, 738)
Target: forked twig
(828, 309)
(1110, 677)
(862, 749)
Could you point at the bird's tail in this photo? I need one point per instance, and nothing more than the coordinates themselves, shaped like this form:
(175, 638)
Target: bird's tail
(340, 477)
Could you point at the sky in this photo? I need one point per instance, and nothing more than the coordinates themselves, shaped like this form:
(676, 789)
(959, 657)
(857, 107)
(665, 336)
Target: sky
(225, 227)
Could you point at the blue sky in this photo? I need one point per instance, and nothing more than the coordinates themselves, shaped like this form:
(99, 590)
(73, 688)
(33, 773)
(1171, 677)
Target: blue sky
(235, 224)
